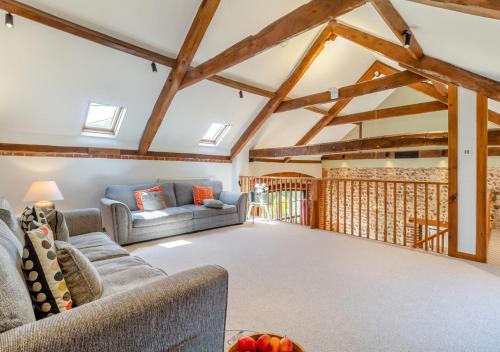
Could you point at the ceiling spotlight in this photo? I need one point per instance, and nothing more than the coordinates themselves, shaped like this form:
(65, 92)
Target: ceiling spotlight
(376, 74)
(334, 93)
(241, 94)
(284, 44)
(406, 39)
(9, 20)
(153, 67)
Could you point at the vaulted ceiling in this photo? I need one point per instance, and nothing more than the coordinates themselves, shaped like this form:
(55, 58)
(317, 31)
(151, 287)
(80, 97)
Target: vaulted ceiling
(50, 76)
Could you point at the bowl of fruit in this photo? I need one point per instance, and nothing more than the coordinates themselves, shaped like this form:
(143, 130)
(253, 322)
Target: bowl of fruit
(265, 343)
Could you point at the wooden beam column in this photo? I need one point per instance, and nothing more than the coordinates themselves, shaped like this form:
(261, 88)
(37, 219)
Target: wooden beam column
(452, 170)
(285, 88)
(203, 17)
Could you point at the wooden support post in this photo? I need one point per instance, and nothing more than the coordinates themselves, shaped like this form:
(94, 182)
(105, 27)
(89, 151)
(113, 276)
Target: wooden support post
(482, 211)
(315, 188)
(452, 170)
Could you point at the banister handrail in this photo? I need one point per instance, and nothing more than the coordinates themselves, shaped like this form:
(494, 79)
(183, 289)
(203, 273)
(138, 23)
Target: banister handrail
(430, 238)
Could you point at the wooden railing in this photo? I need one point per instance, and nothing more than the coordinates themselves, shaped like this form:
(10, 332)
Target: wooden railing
(288, 198)
(400, 212)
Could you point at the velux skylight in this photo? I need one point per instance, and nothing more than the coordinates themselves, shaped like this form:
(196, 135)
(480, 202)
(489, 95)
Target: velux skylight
(215, 133)
(103, 119)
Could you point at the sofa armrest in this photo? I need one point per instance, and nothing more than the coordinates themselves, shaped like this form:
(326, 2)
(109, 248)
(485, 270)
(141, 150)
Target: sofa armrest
(183, 312)
(240, 199)
(83, 221)
(117, 220)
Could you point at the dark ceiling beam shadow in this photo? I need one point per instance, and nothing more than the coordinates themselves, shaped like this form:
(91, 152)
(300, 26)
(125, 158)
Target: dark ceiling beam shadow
(365, 144)
(286, 87)
(106, 153)
(302, 19)
(484, 8)
(197, 30)
(63, 25)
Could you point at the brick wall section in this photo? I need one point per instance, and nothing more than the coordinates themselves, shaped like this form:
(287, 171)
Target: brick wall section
(112, 156)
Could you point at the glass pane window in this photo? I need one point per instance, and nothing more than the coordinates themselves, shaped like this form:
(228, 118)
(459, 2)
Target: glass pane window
(215, 133)
(105, 119)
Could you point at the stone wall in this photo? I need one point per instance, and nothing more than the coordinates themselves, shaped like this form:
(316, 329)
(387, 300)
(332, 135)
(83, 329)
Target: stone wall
(395, 200)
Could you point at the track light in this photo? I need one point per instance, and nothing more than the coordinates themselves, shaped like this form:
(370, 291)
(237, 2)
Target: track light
(406, 39)
(376, 74)
(153, 67)
(241, 94)
(9, 20)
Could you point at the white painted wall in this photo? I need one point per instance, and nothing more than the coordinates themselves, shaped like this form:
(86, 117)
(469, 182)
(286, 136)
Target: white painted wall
(466, 171)
(82, 181)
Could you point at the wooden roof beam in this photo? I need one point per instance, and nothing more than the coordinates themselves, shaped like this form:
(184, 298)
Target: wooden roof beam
(427, 66)
(204, 15)
(305, 17)
(285, 88)
(484, 8)
(396, 80)
(398, 26)
(398, 111)
(364, 144)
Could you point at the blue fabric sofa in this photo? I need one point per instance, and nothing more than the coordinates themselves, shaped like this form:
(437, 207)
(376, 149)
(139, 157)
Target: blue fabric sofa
(126, 224)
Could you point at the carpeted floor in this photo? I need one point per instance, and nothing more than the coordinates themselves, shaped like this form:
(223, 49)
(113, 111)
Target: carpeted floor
(333, 292)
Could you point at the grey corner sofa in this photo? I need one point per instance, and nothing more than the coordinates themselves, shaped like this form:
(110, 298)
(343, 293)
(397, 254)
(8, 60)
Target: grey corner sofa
(142, 309)
(125, 223)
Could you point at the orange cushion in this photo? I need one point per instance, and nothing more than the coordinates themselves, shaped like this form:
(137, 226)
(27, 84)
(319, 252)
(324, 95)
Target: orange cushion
(138, 198)
(201, 193)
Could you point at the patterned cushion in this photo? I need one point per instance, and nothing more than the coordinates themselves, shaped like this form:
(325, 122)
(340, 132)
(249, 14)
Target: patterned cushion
(83, 280)
(33, 218)
(58, 225)
(150, 202)
(201, 193)
(213, 203)
(43, 275)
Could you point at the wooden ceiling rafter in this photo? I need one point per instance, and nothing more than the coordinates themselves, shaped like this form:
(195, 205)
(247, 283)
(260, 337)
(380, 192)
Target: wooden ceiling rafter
(396, 80)
(407, 140)
(484, 8)
(392, 112)
(426, 66)
(197, 30)
(303, 18)
(286, 87)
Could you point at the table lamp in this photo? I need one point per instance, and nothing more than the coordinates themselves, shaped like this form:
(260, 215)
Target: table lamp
(43, 193)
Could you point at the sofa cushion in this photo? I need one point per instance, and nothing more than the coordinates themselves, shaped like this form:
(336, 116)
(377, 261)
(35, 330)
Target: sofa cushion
(125, 193)
(184, 190)
(83, 280)
(9, 218)
(98, 246)
(125, 273)
(159, 217)
(213, 203)
(201, 211)
(15, 302)
(49, 292)
(58, 225)
(150, 199)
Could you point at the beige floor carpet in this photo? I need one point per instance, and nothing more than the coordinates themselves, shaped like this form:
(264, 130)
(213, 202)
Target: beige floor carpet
(332, 292)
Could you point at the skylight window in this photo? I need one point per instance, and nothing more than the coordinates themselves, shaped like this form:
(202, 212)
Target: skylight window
(215, 133)
(103, 120)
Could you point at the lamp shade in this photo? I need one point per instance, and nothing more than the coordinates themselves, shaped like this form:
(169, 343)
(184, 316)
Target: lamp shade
(43, 191)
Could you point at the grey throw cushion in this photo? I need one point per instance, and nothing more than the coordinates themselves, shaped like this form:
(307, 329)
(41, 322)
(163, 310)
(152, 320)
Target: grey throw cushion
(83, 281)
(184, 191)
(58, 225)
(15, 302)
(9, 218)
(152, 201)
(125, 194)
(213, 203)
